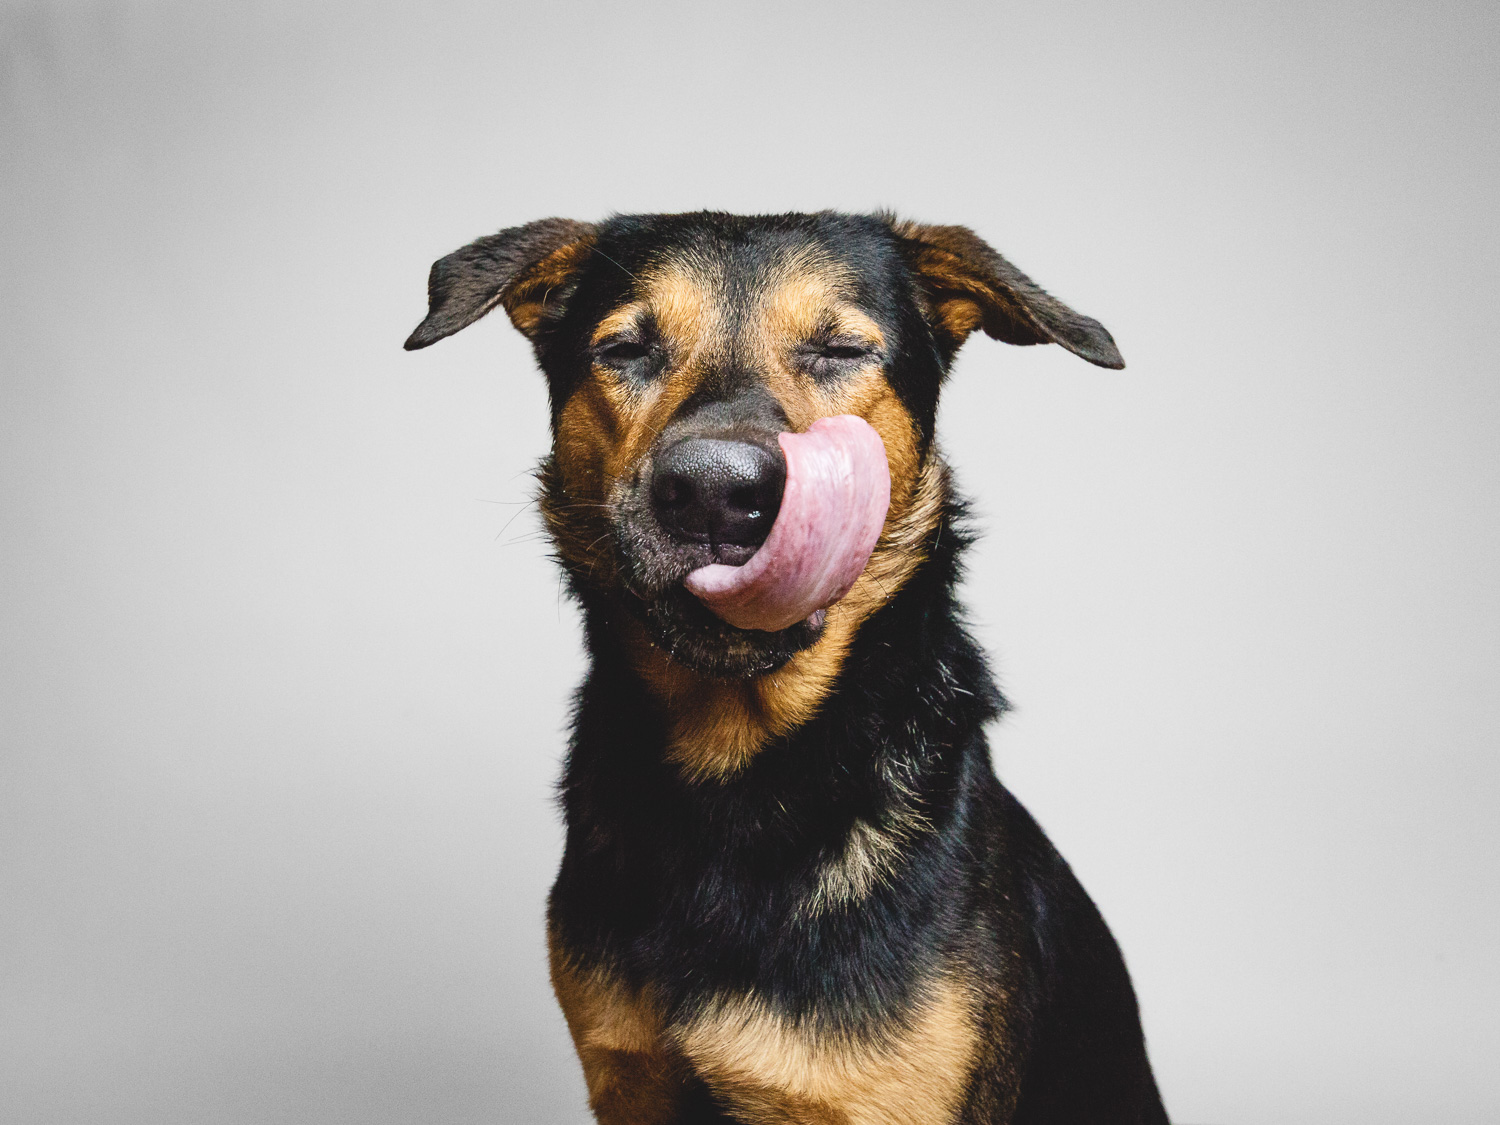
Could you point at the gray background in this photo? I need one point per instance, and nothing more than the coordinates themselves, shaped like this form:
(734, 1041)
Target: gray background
(283, 666)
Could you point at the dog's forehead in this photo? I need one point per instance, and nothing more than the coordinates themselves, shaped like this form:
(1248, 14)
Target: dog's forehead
(778, 299)
(778, 282)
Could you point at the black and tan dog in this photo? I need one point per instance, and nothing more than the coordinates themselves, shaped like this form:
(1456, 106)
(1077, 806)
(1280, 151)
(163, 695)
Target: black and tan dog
(793, 890)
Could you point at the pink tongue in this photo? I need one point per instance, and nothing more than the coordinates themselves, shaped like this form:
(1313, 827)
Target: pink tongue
(838, 487)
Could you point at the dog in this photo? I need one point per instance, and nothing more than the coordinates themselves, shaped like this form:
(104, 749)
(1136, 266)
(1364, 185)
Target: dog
(793, 888)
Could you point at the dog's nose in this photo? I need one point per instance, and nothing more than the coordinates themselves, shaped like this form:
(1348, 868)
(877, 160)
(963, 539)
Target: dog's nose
(712, 490)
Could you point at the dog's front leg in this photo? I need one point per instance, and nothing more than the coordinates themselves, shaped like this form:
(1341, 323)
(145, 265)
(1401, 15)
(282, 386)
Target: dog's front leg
(634, 1072)
(632, 1087)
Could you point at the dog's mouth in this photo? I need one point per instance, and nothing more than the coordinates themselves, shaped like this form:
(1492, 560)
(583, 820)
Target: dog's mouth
(733, 553)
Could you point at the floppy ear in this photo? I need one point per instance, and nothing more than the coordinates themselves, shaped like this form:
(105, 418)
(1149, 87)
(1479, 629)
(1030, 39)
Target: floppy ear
(968, 286)
(518, 268)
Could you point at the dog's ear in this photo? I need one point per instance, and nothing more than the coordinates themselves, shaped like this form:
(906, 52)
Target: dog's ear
(528, 269)
(968, 285)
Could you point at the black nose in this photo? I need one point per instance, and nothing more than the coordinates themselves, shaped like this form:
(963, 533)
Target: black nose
(710, 490)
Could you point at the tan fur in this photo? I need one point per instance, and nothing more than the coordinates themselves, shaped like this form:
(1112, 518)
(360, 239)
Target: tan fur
(807, 294)
(957, 301)
(867, 861)
(632, 1068)
(961, 292)
(771, 1070)
(690, 324)
(864, 864)
(525, 299)
(607, 426)
(718, 726)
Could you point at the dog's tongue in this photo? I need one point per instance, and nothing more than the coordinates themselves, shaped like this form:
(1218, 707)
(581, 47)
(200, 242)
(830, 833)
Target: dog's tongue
(838, 487)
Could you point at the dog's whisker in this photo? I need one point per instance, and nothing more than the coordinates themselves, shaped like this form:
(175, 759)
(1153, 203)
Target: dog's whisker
(513, 517)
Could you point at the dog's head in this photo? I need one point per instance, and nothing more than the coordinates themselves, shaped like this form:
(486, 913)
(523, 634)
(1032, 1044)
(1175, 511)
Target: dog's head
(683, 351)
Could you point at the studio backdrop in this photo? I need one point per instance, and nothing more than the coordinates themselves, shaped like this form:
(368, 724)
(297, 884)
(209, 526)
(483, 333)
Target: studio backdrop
(285, 666)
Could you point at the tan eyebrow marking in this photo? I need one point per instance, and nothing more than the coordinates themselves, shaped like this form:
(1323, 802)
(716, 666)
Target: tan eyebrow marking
(850, 320)
(685, 309)
(810, 297)
(623, 319)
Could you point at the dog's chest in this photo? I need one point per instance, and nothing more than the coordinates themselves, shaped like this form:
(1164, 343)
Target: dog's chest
(911, 1067)
(771, 1069)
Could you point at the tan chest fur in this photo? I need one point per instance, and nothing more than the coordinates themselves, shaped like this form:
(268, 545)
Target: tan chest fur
(767, 1069)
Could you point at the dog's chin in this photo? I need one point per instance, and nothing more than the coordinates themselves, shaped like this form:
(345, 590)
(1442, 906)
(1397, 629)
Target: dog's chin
(689, 632)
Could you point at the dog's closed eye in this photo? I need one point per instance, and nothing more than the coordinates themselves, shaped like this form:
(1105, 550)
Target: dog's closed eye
(846, 351)
(624, 353)
(837, 356)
